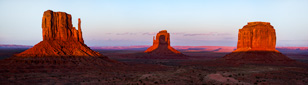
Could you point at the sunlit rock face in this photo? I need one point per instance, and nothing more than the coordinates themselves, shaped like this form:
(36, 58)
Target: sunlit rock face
(60, 38)
(58, 26)
(256, 44)
(161, 45)
(256, 36)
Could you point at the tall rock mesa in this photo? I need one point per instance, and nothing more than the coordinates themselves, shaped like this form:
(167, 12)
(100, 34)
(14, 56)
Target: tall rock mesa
(60, 38)
(256, 36)
(62, 49)
(161, 44)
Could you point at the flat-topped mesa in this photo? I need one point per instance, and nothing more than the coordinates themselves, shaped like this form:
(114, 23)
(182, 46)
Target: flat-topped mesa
(58, 26)
(162, 44)
(256, 45)
(256, 36)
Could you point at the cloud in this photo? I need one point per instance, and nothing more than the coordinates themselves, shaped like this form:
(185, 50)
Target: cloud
(132, 33)
(206, 34)
(109, 33)
(191, 34)
(179, 33)
(126, 33)
(195, 34)
(148, 33)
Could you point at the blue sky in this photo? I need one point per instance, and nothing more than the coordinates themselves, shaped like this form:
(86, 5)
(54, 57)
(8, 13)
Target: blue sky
(135, 22)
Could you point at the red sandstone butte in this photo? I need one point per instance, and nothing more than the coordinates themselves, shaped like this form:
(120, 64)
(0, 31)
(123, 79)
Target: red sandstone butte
(62, 49)
(161, 45)
(256, 44)
(60, 38)
(256, 36)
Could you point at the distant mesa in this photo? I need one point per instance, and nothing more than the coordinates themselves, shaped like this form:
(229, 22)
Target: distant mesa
(161, 46)
(60, 38)
(256, 44)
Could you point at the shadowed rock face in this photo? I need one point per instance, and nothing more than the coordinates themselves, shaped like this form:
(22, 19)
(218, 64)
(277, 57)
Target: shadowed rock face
(60, 38)
(161, 45)
(256, 44)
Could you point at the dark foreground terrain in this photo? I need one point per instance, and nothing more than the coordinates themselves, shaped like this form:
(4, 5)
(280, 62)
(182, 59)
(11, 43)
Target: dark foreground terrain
(199, 68)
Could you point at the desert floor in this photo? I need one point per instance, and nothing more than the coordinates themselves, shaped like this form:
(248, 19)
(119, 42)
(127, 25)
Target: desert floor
(197, 69)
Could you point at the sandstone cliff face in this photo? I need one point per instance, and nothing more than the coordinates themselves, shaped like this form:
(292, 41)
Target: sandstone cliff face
(60, 38)
(256, 44)
(257, 36)
(161, 45)
(58, 26)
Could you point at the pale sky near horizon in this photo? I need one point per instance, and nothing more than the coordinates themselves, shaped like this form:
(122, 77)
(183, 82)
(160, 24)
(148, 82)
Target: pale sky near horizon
(135, 22)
